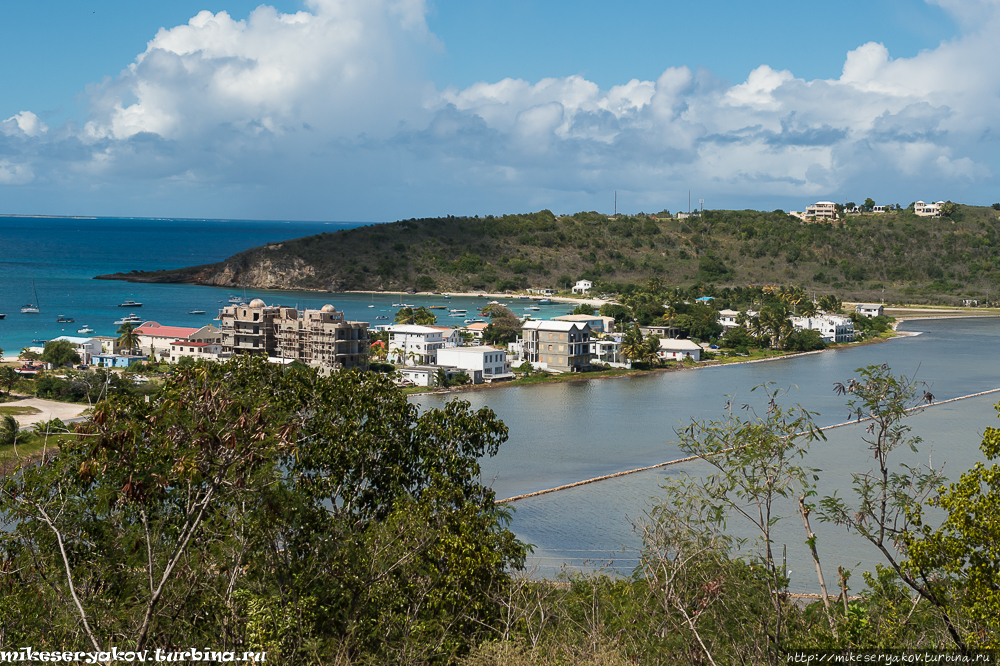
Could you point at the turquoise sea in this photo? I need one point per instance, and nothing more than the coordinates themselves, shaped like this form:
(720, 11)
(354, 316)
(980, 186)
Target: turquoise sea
(559, 433)
(62, 255)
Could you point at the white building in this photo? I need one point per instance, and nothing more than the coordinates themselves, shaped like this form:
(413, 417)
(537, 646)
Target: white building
(831, 328)
(870, 310)
(199, 351)
(452, 336)
(582, 286)
(678, 350)
(727, 318)
(482, 363)
(928, 209)
(822, 210)
(417, 345)
(608, 351)
(87, 348)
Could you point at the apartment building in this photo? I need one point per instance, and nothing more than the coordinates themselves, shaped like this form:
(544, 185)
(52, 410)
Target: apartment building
(558, 346)
(481, 363)
(416, 345)
(321, 338)
(248, 329)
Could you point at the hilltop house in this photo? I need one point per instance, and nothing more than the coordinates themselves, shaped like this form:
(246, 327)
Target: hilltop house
(582, 286)
(928, 209)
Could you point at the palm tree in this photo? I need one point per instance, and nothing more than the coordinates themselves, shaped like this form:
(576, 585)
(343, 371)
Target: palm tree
(399, 353)
(412, 355)
(127, 337)
(633, 346)
(806, 308)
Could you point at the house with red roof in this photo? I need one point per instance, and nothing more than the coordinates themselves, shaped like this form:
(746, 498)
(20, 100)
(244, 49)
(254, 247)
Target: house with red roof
(155, 338)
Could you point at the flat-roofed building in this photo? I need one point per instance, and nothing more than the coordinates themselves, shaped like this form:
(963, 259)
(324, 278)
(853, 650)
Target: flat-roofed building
(559, 346)
(415, 345)
(928, 209)
(481, 363)
(831, 328)
(321, 338)
(249, 329)
(870, 310)
(822, 210)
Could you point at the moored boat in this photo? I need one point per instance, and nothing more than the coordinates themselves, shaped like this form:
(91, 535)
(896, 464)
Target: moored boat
(85, 330)
(63, 319)
(196, 312)
(132, 318)
(130, 304)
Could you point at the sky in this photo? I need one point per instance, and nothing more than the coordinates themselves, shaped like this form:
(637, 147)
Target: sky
(376, 110)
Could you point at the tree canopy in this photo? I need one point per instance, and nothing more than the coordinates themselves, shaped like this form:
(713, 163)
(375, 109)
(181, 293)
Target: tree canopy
(60, 352)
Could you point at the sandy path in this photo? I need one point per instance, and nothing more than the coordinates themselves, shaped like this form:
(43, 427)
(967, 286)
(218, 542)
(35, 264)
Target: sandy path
(49, 409)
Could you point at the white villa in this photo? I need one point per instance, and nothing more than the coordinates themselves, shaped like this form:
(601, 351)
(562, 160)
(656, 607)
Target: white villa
(482, 363)
(831, 328)
(418, 345)
(582, 286)
(204, 351)
(870, 310)
(928, 209)
(727, 318)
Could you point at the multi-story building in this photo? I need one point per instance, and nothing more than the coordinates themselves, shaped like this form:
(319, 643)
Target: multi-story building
(822, 210)
(830, 327)
(249, 329)
(416, 345)
(928, 209)
(155, 338)
(559, 346)
(321, 338)
(870, 310)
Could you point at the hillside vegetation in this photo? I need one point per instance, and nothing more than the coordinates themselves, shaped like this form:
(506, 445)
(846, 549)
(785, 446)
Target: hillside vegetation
(913, 259)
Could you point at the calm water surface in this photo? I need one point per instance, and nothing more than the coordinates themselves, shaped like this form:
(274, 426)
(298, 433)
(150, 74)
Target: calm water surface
(558, 433)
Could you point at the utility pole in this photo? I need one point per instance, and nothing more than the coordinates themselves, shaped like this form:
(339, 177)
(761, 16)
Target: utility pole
(616, 203)
(689, 202)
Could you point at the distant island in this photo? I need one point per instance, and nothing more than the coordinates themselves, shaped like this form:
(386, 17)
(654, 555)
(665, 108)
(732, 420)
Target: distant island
(894, 255)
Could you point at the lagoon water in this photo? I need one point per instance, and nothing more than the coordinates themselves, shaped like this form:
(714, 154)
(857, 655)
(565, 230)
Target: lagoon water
(558, 433)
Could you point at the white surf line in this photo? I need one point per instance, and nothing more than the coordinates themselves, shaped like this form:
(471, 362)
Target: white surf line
(692, 458)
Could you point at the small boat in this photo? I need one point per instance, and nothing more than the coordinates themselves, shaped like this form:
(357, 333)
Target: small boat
(382, 317)
(475, 321)
(544, 301)
(31, 308)
(130, 304)
(132, 318)
(398, 305)
(438, 307)
(533, 308)
(198, 312)
(2, 315)
(85, 330)
(63, 319)
(447, 297)
(39, 342)
(456, 311)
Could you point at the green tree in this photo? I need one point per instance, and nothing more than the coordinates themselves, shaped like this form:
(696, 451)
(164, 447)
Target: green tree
(504, 325)
(60, 352)
(426, 283)
(621, 313)
(253, 507)
(869, 204)
(8, 378)
(959, 561)
(420, 316)
(128, 339)
(633, 346)
(9, 430)
(584, 309)
(830, 304)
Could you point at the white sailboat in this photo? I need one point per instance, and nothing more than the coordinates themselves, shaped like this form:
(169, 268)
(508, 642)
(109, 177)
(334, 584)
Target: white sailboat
(32, 308)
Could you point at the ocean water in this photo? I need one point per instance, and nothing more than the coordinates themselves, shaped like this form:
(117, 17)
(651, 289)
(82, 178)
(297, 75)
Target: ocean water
(62, 255)
(559, 433)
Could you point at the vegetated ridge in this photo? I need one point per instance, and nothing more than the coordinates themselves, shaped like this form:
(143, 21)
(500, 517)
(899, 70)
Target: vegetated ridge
(897, 256)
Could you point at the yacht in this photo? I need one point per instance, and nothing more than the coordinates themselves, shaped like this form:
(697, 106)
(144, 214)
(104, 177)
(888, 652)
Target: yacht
(130, 304)
(544, 301)
(2, 315)
(31, 308)
(63, 319)
(237, 300)
(86, 330)
(198, 312)
(533, 308)
(457, 312)
(132, 318)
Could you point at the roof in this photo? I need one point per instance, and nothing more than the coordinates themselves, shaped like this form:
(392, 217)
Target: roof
(542, 325)
(412, 328)
(73, 340)
(477, 326)
(581, 317)
(482, 349)
(678, 345)
(155, 329)
(728, 313)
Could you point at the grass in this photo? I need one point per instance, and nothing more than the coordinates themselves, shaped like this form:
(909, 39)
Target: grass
(19, 411)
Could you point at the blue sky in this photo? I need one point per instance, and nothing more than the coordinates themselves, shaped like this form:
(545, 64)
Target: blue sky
(386, 109)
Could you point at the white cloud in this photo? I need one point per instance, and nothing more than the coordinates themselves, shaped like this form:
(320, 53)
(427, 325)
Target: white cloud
(25, 123)
(327, 105)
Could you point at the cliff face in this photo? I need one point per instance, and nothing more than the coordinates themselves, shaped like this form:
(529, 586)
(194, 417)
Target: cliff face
(898, 255)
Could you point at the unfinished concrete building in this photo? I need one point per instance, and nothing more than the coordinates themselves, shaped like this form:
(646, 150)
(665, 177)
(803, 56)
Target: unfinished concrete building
(248, 329)
(322, 338)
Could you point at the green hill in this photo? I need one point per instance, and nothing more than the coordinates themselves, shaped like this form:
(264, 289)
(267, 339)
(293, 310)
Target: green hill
(912, 258)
